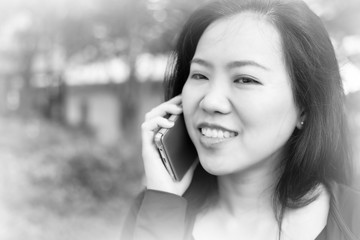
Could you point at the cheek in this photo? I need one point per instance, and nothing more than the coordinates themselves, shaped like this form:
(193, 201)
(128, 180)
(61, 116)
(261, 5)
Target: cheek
(190, 97)
(271, 117)
(272, 114)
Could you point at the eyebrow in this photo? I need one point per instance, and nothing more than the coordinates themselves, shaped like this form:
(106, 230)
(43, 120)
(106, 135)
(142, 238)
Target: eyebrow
(233, 64)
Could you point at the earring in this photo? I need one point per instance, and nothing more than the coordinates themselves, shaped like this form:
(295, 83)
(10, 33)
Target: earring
(300, 126)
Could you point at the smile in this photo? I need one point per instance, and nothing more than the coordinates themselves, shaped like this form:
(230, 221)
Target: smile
(217, 133)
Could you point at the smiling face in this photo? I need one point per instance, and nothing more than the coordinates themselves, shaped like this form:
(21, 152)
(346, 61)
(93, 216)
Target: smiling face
(237, 101)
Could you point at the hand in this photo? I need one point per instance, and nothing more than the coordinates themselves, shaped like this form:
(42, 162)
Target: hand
(157, 177)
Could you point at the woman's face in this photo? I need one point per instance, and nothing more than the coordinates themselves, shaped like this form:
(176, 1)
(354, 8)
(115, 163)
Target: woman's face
(238, 101)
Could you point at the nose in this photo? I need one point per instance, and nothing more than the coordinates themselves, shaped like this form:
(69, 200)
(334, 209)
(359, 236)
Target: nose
(216, 100)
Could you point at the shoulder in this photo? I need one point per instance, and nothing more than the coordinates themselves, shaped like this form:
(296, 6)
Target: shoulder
(156, 200)
(345, 206)
(155, 213)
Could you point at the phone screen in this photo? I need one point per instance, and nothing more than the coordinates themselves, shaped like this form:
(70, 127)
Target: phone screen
(176, 148)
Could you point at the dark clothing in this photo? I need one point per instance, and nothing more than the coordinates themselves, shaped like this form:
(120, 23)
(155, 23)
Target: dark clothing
(163, 216)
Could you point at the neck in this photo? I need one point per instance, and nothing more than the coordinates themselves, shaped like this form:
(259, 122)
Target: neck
(247, 193)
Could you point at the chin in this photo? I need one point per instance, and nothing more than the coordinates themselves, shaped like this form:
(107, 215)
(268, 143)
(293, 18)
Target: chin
(215, 168)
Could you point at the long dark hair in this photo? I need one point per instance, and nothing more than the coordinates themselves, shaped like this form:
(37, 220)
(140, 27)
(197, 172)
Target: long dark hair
(318, 153)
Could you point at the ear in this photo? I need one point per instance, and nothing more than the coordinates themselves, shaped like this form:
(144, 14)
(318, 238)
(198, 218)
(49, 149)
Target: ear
(301, 121)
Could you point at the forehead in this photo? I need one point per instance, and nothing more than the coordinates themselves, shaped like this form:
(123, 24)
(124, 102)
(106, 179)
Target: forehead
(246, 35)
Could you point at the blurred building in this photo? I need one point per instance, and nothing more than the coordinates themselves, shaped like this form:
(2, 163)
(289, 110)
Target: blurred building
(94, 91)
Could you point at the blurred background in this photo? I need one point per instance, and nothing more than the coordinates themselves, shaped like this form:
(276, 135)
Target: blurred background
(76, 78)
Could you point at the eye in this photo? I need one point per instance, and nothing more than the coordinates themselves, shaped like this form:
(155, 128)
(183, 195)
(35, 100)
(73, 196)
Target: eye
(246, 80)
(198, 76)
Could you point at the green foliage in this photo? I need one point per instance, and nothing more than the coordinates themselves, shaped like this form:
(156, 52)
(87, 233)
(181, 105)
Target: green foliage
(67, 172)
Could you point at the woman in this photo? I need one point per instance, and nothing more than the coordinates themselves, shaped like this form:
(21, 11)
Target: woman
(259, 86)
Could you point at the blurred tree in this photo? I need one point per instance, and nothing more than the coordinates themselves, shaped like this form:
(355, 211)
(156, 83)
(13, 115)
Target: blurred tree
(342, 18)
(27, 51)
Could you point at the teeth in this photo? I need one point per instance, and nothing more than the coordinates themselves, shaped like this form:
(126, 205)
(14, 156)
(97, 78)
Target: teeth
(216, 133)
(220, 134)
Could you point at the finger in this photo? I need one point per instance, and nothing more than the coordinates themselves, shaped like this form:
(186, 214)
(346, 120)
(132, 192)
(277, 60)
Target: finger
(162, 110)
(156, 123)
(173, 106)
(176, 100)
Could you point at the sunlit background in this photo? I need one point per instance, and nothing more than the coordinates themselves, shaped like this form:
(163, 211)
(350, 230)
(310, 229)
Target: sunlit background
(76, 78)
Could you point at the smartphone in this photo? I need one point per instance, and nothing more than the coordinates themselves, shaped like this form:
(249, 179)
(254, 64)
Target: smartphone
(176, 148)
